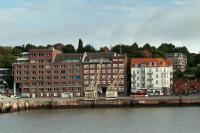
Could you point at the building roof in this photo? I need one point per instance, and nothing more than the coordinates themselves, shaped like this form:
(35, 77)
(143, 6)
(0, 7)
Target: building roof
(71, 56)
(151, 62)
(100, 55)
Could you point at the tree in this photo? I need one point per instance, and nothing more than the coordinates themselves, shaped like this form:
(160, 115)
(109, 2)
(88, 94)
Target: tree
(167, 48)
(103, 49)
(89, 48)
(29, 46)
(69, 48)
(147, 47)
(80, 46)
(197, 59)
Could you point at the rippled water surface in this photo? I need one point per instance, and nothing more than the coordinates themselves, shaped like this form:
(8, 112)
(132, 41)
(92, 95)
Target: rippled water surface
(120, 120)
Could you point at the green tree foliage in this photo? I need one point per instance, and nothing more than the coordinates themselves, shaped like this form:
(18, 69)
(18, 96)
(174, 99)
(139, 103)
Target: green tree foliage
(89, 48)
(167, 48)
(103, 49)
(197, 59)
(69, 48)
(147, 47)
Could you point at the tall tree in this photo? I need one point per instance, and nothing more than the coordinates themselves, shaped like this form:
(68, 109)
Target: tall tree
(80, 46)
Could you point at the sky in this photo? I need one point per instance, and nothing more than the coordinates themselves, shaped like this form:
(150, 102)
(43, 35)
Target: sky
(100, 22)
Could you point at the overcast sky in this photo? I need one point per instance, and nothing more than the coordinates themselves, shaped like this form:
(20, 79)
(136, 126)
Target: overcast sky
(100, 22)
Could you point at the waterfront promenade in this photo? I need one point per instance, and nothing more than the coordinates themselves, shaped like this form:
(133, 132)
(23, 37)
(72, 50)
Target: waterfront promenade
(12, 105)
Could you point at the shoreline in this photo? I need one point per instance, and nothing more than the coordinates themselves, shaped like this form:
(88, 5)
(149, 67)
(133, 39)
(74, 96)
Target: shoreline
(15, 105)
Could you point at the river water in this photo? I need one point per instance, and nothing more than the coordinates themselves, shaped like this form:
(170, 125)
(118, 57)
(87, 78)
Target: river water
(103, 120)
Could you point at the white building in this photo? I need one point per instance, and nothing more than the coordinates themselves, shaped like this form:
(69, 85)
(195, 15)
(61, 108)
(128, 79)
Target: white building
(151, 75)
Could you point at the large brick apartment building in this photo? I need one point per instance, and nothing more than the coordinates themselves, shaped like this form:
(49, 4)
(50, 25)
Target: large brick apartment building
(51, 73)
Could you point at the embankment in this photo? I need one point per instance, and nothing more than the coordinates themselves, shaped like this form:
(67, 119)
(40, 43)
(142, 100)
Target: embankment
(14, 105)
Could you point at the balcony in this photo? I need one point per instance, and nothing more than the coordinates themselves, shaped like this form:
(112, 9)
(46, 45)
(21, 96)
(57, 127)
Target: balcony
(150, 78)
(133, 87)
(133, 81)
(150, 72)
(150, 85)
(133, 74)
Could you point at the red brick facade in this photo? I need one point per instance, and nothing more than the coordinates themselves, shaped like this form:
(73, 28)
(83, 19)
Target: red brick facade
(48, 72)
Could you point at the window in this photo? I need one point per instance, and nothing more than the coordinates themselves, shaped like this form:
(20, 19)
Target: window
(69, 66)
(33, 61)
(55, 71)
(26, 83)
(33, 83)
(62, 66)
(77, 71)
(138, 85)
(40, 66)
(92, 77)
(18, 67)
(121, 65)
(115, 71)
(40, 72)
(40, 77)
(156, 69)
(104, 77)
(48, 66)
(62, 71)
(70, 77)
(33, 72)
(86, 71)
(40, 60)
(115, 65)
(103, 65)
(86, 77)
(92, 71)
(18, 72)
(114, 76)
(25, 78)
(156, 81)
(55, 66)
(26, 67)
(77, 66)
(33, 66)
(25, 72)
(62, 77)
(86, 66)
(70, 72)
(138, 72)
(55, 77)
(78, 77)
(92, 66)
(108, 71)
(48, 72)
(48, 77)
(108, 65)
